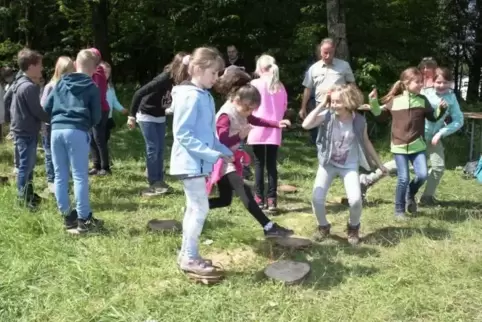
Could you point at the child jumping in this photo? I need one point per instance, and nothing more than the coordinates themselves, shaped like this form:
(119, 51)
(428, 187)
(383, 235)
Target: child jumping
(195, 150)
(343, 146)
(233, 125)
(408, 109)
(74, 106)
(112, 100)
(266, 140)
(64, 65)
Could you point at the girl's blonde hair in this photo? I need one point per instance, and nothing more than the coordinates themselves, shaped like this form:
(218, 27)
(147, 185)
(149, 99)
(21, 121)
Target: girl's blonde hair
(204, 58)
(64, 65)
(400, 85)
(351, 97)
(268, 63)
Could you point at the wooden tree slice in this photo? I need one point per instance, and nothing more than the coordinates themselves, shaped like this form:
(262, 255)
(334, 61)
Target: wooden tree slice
(286, 188)
(207, 280)
(293, 242)
(164, 225)
(288, 272)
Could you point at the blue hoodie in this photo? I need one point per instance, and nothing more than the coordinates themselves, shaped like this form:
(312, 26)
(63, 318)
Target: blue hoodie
(196, 147)
(74, 103)
(453, 110)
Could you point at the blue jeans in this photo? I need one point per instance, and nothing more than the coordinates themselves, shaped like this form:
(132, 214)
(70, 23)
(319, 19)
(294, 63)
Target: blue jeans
(154, 136)
(26, 151)
(49, 166)
(406, 190)
(70, 149)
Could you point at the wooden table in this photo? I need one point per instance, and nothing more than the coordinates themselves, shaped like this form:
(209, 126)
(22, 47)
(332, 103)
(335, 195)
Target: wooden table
(473, 117)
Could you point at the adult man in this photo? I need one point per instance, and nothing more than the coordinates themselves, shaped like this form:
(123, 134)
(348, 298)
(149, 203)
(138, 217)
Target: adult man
(325, 73)
(233, 57)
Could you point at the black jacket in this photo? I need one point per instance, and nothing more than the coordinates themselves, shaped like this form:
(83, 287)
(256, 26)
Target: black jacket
(154, 97)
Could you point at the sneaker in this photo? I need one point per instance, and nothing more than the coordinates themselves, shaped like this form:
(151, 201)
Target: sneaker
(399, 215)
(93, 171)
(278, 231)
(104, 172)
(322, 232)
(198, 267)
(70, 221)
(428, 201)
(272, 207)
(207, 261)
(259, 201)
(84, 225)
(411, 205)
(160, 187)
(150, 192)
(353, 234)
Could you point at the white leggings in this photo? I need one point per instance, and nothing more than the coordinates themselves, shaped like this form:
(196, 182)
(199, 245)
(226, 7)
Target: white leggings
(324, 178)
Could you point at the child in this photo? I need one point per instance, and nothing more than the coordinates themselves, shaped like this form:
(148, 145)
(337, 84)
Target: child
(112, 100)
(409, 109)
(98, 142)
(264, 140)
(27, 117)
(442, 95)
(74, 105)
(427, 67)
(233, 125)
(195, 149)
(148, 108)
(343, 145)
(63, 66)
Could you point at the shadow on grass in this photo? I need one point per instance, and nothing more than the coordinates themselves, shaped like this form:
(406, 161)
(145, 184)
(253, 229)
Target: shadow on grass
(326, 271)
(392, 236)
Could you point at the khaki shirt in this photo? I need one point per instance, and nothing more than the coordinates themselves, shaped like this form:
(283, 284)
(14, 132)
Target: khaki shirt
(321, 77)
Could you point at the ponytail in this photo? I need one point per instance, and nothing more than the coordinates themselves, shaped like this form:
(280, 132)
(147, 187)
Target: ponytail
(406, 76)
(396, 89)
(274, 83)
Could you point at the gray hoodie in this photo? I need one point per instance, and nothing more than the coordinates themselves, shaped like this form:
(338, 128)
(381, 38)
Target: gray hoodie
(27, 113)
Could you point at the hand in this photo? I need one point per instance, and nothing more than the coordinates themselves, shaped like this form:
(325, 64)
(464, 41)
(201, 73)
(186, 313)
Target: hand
(284, 123)
(125, 111)
(384, 170)
(443, 104)
(245, 131)
(131, 123)
(302, 113)
(373, 94)
(436, 138)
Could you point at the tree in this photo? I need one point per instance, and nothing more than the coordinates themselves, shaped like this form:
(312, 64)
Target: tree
(335, 12)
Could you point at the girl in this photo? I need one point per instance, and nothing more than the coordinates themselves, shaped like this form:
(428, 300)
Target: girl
(148, 108)
(266, 140)
(195, 149)
(233, 125)
(435, 131)
(112, 100)
(427, 67)
(343, 145)
(409, 109)
(63, 66)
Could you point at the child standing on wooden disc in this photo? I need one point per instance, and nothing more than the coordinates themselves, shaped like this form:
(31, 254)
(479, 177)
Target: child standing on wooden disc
(195, 150)
(343, 145)
(233, 123)
(266, 140)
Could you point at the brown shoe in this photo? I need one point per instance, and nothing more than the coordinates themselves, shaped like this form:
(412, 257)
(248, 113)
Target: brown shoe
(321, 233)
(353, 234)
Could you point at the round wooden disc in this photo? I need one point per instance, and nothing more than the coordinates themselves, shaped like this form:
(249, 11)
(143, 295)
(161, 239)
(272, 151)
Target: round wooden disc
(208, 280)
(287, 271)
(287, 188)
(164, 225)
(293, 242)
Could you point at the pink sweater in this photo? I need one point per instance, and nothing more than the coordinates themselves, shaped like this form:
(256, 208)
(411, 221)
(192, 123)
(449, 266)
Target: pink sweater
(272, 108)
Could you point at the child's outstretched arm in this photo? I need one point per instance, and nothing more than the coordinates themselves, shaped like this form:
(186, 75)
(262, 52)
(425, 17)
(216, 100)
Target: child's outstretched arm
(316, 117)
(373, 153)
(457, 119)
(116, 104)
(380, 112)
(185, 119)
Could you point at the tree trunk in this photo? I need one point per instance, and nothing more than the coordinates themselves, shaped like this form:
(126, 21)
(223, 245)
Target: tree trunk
(476, 65)
(335, 11)
(100, 15)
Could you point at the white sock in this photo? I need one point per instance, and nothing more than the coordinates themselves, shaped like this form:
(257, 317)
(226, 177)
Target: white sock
(268, 226)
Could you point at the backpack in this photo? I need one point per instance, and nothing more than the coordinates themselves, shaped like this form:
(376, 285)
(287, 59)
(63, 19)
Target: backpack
(473, 169)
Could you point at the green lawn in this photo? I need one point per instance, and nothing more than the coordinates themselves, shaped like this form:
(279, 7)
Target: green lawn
(426, 269)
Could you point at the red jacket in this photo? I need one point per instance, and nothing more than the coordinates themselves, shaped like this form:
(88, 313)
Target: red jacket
(101, 81)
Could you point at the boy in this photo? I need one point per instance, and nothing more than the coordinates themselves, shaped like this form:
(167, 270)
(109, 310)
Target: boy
(74, 107)
(27, 117)
(98, 142)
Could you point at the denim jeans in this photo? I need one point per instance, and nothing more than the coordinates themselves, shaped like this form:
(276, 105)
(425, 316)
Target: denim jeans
(26, 150)
(197, 208)
(70, 149)
(404, 188)
(154, 136)
(98, 144)
(49, 166)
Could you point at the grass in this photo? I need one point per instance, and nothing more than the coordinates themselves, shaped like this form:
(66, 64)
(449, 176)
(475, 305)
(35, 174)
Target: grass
(427, 269)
